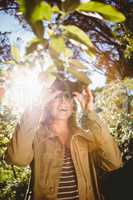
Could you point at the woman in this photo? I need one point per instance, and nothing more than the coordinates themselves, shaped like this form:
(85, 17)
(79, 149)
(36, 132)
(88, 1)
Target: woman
(67, 160)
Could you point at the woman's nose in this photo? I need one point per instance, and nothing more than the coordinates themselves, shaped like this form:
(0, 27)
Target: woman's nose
(63, 99)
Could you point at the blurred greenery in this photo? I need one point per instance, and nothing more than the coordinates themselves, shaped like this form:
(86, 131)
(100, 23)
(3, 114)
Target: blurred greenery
(115, 106)
(13, 179)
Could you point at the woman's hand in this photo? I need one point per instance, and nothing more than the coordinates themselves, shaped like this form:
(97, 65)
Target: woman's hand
(85, 99)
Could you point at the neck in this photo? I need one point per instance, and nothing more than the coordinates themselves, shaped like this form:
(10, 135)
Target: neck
(61, 129)
(60, 126)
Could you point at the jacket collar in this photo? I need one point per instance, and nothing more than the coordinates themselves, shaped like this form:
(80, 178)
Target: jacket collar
(46, 133)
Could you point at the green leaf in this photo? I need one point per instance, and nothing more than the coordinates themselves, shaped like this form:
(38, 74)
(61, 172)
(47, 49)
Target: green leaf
(22, 6)
(109, 13)
(41, 11)
(32, 15)
(68, 5)
(77, 70)
(68, 52)
(51, 69)
(33, 45)
(77, 34)
(55, 58)
(57, 43)
(91, 52)
(55, 9)
(47, 76)
(15, 53)
(128, 83)
(9, 62)
(38, 29)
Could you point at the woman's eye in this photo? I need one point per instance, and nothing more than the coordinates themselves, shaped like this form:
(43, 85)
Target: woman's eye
(58, 97)
(67, 96)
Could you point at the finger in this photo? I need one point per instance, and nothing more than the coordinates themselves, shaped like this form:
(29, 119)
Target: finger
(89, 92)
(84, 92)
(82, 98)
(86, 96)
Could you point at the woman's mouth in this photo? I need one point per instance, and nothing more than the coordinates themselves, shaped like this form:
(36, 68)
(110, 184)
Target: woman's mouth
(63, 110)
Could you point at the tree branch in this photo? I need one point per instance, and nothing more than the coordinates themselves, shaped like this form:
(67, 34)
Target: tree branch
(10, 8)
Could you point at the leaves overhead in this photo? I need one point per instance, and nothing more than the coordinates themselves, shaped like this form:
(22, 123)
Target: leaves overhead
(22, 6)
(34, 44)
(41, 11)
(35, 12)
(116, 108)
(77, 70)
(15, 54)
(38, 29)
(77, 34)
(57, 43)
(68, 5)
(107, 11)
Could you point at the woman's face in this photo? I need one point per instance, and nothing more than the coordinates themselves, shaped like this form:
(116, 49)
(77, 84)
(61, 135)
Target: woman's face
(61, 107)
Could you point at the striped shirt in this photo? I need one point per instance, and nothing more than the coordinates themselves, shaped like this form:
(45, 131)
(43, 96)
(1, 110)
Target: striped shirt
(68, 189)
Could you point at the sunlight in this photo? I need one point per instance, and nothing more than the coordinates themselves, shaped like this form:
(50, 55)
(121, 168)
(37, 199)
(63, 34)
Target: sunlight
(24, 90)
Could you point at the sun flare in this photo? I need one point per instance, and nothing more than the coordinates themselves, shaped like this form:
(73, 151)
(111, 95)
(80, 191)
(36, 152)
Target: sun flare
(24, 90)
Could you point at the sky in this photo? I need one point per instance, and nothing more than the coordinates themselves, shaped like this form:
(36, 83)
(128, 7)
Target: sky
(10, 24)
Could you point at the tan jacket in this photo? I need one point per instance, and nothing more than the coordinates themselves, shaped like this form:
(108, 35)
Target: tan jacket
(91, 152)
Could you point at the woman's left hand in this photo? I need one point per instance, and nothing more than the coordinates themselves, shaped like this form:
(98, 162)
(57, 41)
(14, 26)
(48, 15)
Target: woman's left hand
(85, 99)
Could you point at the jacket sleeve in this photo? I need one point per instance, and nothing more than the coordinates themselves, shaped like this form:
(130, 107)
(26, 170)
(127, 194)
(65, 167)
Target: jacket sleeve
(109, 156)
(20, 148)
